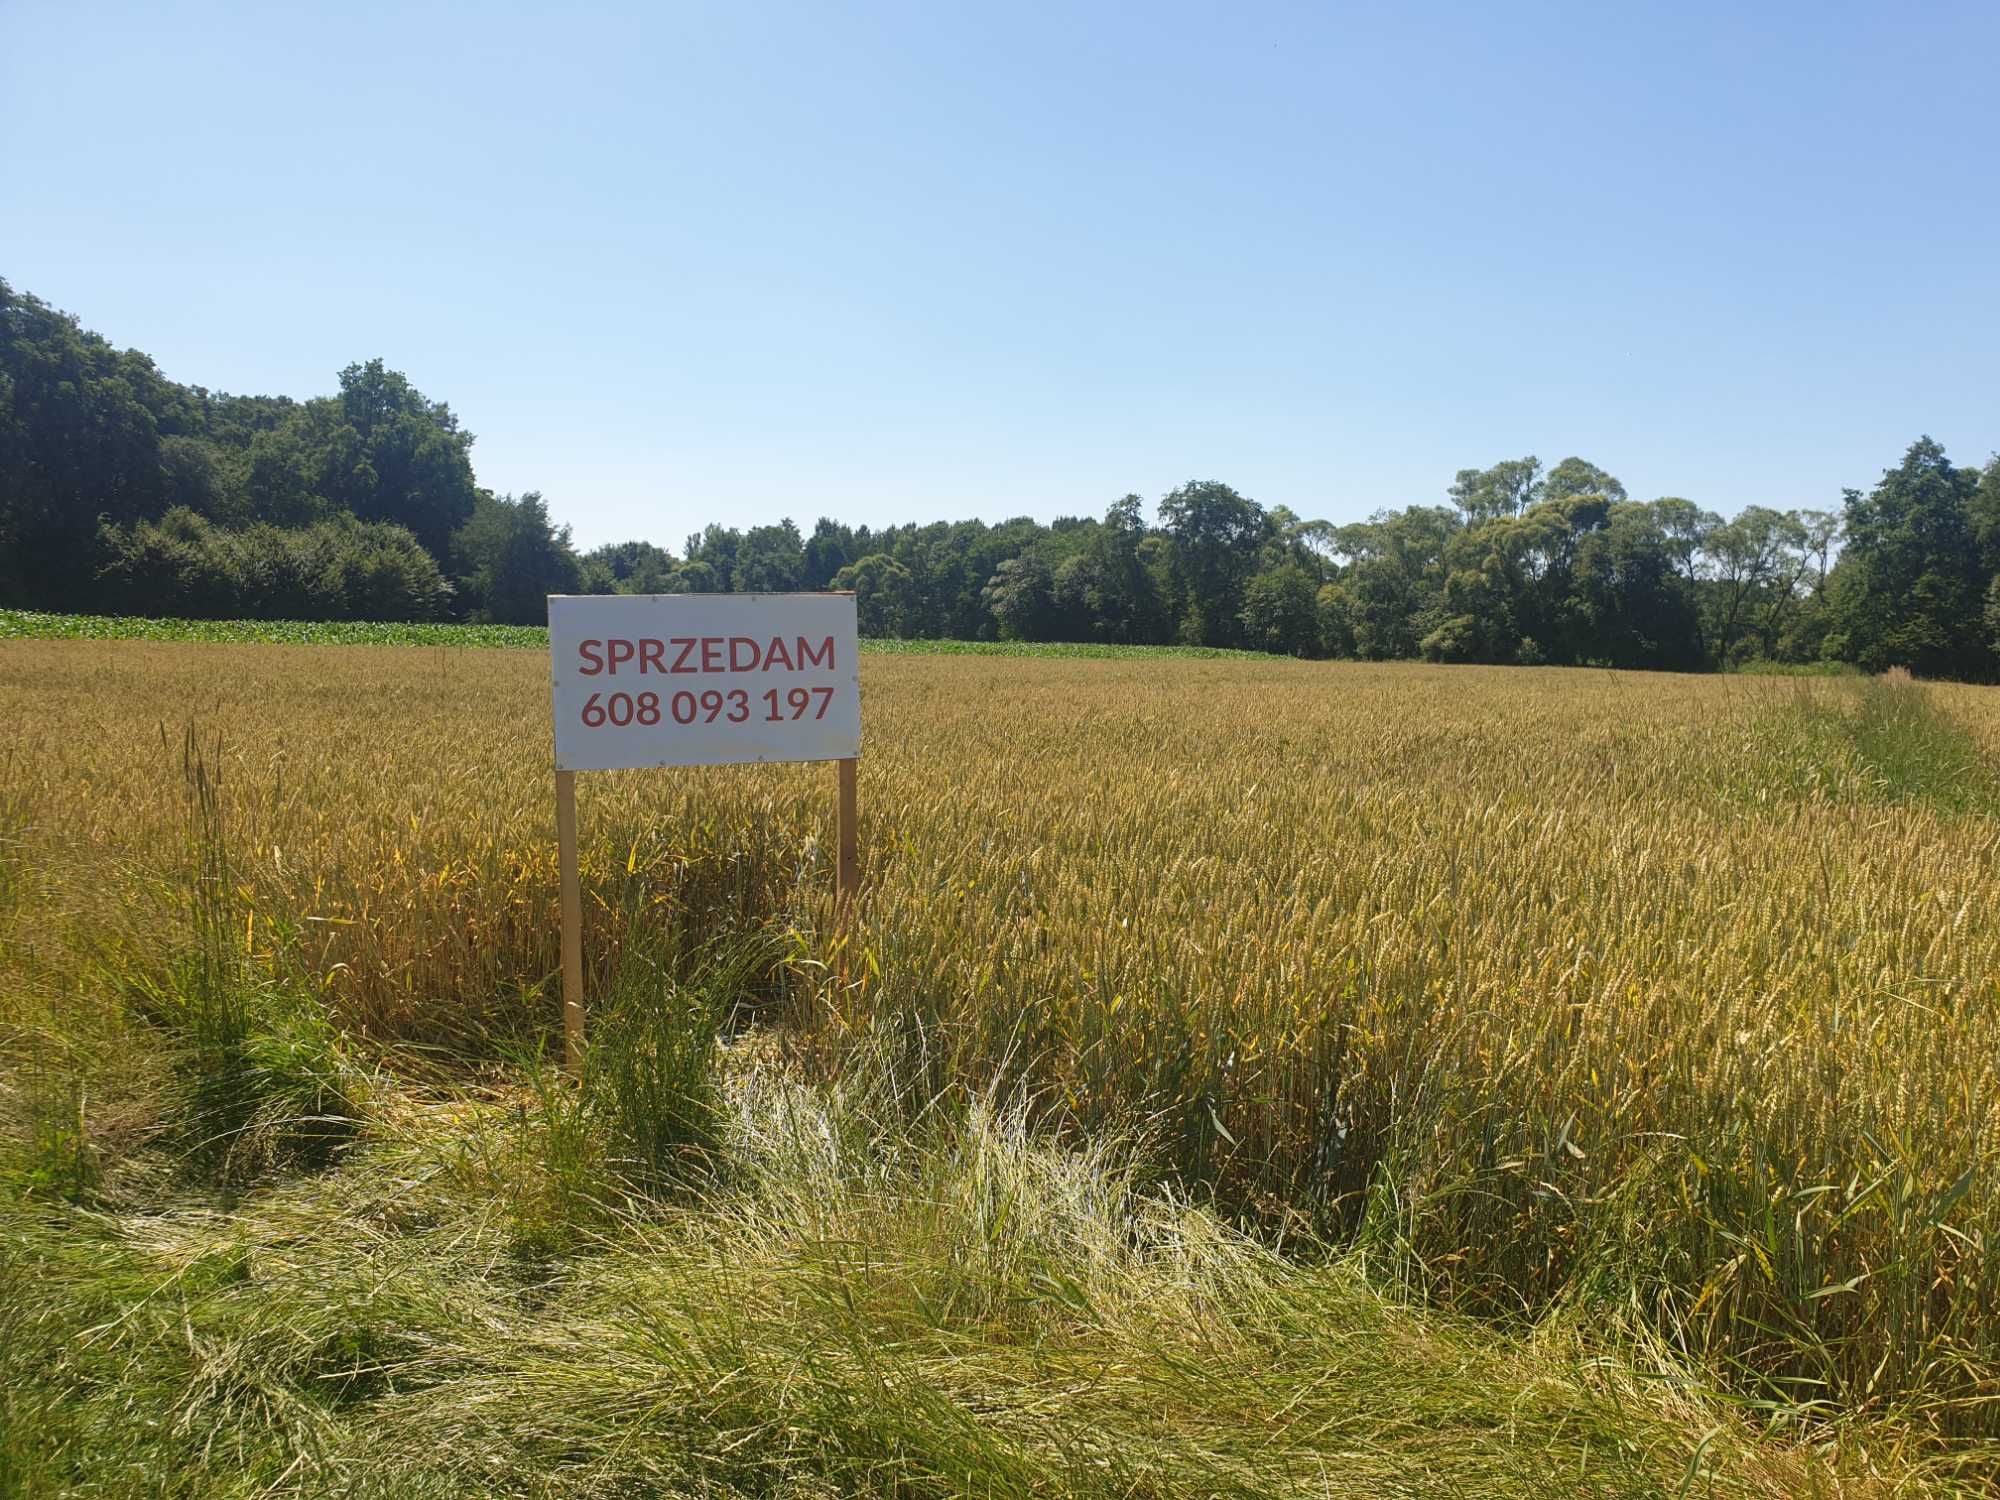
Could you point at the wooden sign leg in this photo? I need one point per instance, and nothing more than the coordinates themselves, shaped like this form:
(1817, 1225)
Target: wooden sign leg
(572, 920)
(847, 883)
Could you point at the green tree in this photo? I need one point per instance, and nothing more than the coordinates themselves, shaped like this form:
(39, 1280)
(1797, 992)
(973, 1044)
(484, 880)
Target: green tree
(1216, 535)
(1984, 509)
(1633, 606)
(1574, 477)
(383, 571)
(80, 431)
(830, 548)
(627, 568)
(696, 576)
(1480, 608)
(1394, 587)
(1984, 513)
(1506, 489)
(1124, 599)
(1335, 619)
(192, 478)
(510, 559)
(1685, 528)
(1915, 595)
(1021, 595)
(1545, 545)
(383, 451)
(1746, 560)
(883, 591)
(1791, 619)
(1281, 611)
(278, 484)
(769, 560)
(715, 547)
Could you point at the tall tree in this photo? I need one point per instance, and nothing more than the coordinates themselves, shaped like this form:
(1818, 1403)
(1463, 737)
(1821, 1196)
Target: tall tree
(80, 431)
(715, 548)
(1022, 598)
(1506, 489)
(883, 589)
(1127, 604)
(1984, 513)
(1915, 595)
(510, 559)
(1393, 590)
(1798, 586)
(1746, 557)
(384, 451)
(1635, 609)
(1574, 477)
(1281, 611)
(627, 568)
(770, 560)
(1686, 528)
(830, 548)
(1216, 535)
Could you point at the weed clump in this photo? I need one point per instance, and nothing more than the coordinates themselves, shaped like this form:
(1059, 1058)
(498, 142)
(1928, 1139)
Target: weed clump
(262, 1079)
(643, 1122)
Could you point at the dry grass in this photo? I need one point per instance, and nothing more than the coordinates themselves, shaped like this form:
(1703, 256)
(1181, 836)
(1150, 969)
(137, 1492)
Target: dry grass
(1670, 998)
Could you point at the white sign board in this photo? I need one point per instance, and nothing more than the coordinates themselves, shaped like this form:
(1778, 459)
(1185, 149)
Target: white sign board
(703, 679)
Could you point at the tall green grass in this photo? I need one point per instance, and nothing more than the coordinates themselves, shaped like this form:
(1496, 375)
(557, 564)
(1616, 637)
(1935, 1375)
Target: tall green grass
(1880, 740)
(852, 1306)
(260, 1069)
(645, 1115)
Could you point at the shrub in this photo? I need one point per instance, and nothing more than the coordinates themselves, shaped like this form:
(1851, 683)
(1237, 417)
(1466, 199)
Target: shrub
(337, 569)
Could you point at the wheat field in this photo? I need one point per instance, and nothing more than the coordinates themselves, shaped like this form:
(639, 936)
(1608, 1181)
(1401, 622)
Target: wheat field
(1669, 1002)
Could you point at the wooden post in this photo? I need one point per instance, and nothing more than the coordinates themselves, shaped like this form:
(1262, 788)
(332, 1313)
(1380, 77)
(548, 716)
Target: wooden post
(847, 883)
(572, 920)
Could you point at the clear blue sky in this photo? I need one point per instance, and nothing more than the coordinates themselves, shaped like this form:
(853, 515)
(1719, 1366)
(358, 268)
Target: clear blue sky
(896, 262)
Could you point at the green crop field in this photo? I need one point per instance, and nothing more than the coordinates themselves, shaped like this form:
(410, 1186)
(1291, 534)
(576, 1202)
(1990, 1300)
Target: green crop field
(30, 625)
(1241, 1076)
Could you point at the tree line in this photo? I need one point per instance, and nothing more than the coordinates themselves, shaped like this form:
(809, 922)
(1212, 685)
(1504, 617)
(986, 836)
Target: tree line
(124, 492)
